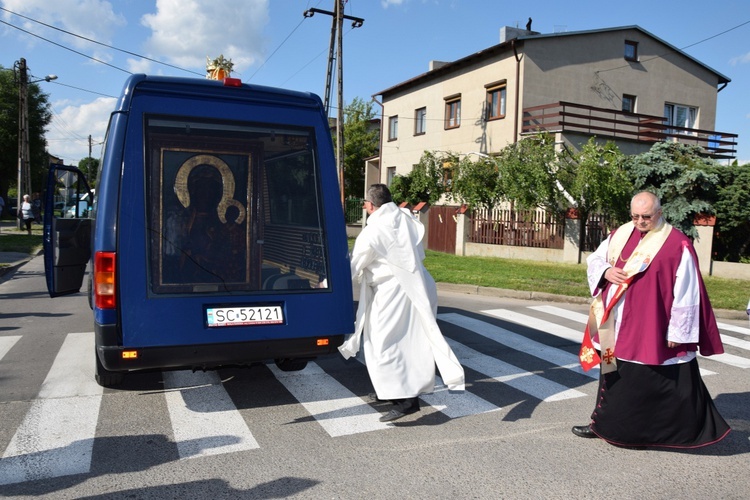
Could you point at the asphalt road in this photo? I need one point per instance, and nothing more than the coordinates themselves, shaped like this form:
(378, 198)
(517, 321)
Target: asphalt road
(260, 433)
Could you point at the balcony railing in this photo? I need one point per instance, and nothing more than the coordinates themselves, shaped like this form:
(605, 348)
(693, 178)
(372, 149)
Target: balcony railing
(603, 122)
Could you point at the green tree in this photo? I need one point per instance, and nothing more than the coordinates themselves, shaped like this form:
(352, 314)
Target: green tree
(361, 141)
(401, 190)
(681, 176)
(39, 117)
(595, 182)
(424, 182)
(477, 183)
(427, 177)
(732, 231)
(89, 166)
(528, 173)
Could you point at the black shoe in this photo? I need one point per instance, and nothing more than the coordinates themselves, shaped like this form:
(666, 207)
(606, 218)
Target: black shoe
(373, 396)
(584, 431)
(392, 415)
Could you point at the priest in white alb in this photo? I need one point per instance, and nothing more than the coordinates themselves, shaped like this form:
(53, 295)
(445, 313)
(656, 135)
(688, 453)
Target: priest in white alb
(396, 319)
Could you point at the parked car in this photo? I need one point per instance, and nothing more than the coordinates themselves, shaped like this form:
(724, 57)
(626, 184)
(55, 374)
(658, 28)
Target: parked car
(11, 206)
(83, 210)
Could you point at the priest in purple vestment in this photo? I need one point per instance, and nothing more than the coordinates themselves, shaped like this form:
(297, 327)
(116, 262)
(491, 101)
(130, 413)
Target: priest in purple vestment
(649, 317)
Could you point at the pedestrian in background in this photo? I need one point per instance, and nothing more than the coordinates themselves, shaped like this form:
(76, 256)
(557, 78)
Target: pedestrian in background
(396, 318)
(649, 317)
(26, 213)
(36, 207)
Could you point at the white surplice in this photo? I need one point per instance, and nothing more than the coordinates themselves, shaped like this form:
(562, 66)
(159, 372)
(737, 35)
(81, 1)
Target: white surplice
(397, 308)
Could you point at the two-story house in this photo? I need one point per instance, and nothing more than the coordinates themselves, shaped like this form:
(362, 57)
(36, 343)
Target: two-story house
(622, 84)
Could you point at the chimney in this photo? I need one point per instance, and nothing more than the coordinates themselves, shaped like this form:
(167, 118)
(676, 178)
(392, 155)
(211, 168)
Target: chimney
(437, 64)
(509, 33)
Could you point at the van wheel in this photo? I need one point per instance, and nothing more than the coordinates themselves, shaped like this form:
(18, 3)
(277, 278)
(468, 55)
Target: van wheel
(106, 378)
(290, 364)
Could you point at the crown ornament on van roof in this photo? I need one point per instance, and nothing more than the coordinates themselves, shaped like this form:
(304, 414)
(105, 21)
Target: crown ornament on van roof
(218, 68)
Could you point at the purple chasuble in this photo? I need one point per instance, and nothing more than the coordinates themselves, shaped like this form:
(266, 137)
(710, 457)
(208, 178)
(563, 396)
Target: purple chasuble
(642, 334)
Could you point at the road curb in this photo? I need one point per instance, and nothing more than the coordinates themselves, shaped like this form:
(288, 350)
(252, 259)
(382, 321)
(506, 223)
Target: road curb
(550, 297)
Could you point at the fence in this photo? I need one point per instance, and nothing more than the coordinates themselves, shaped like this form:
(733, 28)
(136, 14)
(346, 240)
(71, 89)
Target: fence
(598, 228)
(529, 228)
(353, 210)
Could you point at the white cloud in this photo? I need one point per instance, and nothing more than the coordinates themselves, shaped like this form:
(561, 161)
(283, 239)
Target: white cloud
(187, 31)
(745, 58)
(92, 19)
(140, 66)
(67, 135)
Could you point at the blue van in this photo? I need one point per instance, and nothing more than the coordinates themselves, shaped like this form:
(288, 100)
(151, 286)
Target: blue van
(216, 233)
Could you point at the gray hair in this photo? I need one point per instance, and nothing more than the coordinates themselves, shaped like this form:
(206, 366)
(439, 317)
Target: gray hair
(378, 195)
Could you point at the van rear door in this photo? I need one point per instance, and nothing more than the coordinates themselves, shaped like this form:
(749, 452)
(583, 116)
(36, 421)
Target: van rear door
(67, 240)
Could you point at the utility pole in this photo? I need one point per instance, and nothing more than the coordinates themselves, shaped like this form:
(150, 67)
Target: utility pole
(337, 36)
(89, 175)
(24, 170)
(23, 136)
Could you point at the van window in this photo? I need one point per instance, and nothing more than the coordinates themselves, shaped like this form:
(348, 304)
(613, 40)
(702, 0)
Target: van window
(234, 207)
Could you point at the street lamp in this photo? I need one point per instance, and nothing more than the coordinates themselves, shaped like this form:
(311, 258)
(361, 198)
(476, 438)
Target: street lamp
(24, 172)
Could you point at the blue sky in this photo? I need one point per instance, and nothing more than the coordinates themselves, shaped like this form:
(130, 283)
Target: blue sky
(272, 43)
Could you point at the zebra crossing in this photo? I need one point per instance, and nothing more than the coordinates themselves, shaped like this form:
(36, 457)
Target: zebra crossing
(57, 435)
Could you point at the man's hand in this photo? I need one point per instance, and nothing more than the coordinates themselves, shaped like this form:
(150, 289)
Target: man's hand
(615, 275)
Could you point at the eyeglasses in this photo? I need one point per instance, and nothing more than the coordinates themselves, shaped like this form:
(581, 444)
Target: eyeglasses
(635, 217)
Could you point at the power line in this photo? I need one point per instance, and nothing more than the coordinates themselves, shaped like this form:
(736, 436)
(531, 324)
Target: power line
(682, 49)
(93, 41)
(84, 90)
(66, 48)
(277, 48)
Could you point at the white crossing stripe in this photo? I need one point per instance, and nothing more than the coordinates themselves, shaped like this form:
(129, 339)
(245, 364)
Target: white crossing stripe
(7, 343)
(732, 328)
(739, 343)
(564, 332)
(520, 343)
(338, 410)
(205, 420)
(454, 404)
(534, 385)
(563, 313)
(727, 359)
(56, 437)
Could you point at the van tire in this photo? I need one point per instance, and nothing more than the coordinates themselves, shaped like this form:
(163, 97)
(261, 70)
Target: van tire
(290, 364)
(106, 378)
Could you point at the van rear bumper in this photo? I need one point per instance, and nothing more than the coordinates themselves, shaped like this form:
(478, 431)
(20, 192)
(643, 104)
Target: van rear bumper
(206, 356)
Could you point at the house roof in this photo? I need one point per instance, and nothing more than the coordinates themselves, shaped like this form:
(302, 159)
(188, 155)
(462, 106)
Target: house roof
(503, 46)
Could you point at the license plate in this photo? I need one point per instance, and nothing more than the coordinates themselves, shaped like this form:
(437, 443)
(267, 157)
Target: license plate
(244, 316)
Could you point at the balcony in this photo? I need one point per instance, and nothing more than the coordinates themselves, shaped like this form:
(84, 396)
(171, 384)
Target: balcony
(614, 124)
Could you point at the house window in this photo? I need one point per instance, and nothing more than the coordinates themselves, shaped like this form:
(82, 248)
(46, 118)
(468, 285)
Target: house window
(631, 51)
(453, 112)
(678, 115)
(420, 121)
(628, 103)
(393, 128)
(496, 93)
(390, 175)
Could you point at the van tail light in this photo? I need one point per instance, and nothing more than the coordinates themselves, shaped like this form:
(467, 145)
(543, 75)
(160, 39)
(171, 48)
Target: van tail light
(104, 280)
